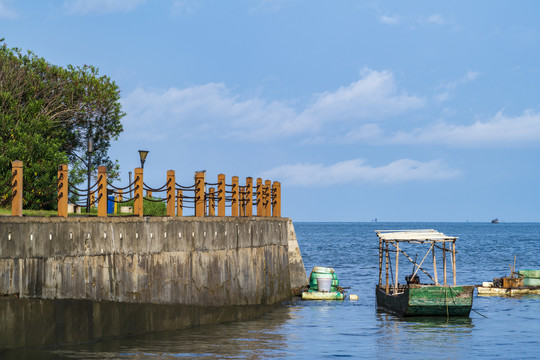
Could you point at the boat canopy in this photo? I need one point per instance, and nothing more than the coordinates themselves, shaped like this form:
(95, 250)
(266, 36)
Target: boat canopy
(390, 240)
(417, 235)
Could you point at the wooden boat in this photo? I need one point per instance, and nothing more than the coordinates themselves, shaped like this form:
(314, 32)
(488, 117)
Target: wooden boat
(495, 221)
(523, 282)
(414, 298)
(323, 285)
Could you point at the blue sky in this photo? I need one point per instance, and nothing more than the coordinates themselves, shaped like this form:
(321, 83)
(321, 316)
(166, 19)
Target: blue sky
(400, 111)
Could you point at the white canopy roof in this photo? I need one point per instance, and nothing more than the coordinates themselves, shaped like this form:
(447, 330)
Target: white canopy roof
(413, 235)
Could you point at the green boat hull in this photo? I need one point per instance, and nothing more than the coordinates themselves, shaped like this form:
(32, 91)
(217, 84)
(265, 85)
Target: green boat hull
(427, 300)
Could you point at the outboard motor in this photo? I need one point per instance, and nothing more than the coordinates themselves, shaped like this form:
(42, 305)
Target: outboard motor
(412, 279)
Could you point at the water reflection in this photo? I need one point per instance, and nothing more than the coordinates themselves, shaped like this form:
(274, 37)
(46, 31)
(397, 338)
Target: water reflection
(255, 339)
(419, 336)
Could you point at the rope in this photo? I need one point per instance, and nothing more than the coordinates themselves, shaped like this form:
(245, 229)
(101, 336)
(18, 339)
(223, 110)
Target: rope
(124, 188)
(154, 200)
(184, 187)
(161, 189)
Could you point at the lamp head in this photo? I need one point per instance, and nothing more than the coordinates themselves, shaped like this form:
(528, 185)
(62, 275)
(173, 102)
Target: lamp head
(142, 155)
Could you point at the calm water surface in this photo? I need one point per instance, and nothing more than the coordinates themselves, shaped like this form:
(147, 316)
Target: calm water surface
(500, 327)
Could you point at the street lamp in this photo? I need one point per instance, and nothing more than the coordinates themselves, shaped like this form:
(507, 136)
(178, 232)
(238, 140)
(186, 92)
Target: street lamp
(90, 150)
(143, 154)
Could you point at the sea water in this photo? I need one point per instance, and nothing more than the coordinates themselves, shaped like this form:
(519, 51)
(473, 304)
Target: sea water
(498, 327)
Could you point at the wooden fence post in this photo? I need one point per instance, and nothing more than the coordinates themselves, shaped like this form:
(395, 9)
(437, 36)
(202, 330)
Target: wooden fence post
(179, 202)
(16, 188)
(234, 195)
(102, 191)
(138, 208)
(249, 197)
(171, 186)
(221, 195)
(276, 199)
(149, 194)
(259, 197)
(199, 193)
(63, 190)
(211, 202)
(242, 200)
(267, 198)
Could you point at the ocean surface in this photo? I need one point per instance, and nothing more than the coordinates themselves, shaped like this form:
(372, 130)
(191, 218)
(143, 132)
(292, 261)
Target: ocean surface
(497, 328)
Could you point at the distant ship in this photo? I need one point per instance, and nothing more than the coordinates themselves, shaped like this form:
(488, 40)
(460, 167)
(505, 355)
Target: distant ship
(495, 221)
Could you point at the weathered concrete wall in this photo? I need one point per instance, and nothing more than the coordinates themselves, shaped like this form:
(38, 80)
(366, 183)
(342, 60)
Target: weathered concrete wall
(297, 269)
(195, 270)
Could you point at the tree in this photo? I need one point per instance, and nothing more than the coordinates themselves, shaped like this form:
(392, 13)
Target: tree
(47, 113)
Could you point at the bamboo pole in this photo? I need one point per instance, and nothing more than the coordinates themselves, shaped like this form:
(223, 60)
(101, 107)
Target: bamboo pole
(397, 267)
(444, 262)
(418, 267)
(380, 260)
(387, 272)
(434, 263)
(454, 260)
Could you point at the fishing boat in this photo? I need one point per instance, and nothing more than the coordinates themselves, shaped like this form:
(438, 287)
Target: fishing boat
(323, 285)
(495, 221)
(414, 298)
(522, 282)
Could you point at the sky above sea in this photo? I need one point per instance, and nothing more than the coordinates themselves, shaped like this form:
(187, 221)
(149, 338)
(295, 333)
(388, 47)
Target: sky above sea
(400, 111)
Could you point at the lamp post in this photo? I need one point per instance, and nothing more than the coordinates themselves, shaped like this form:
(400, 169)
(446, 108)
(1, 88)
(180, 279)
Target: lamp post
(90, 150)
(143, 154)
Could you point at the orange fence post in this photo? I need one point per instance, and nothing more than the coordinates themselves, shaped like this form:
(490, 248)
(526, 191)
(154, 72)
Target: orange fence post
(276, 199)
(102, 191)
(242, 200)
(16, 188)
(266, 198)
(63, 190)
(179, 202)
(199, 193)
(211, 202)
(221, 195)
(149, 193)
(259, 200)
(120, 195)
(234, 195)
(171, 185)
(249, 197)
(138, 202)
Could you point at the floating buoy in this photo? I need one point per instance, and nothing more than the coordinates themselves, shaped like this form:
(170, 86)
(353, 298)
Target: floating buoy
(353, 297)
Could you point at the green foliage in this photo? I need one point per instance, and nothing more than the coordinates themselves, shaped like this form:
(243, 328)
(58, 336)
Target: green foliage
(47, 113)
(151, 208)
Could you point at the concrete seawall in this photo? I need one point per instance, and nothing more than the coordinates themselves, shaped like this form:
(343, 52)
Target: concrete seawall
(79, 279)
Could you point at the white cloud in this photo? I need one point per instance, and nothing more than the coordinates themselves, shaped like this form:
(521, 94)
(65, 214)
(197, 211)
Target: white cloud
(452, 85)
(497, 131)
(357, 171)
(6, 11)
(213, 110)
(436, 19)
(101, 6)
(390, 20)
